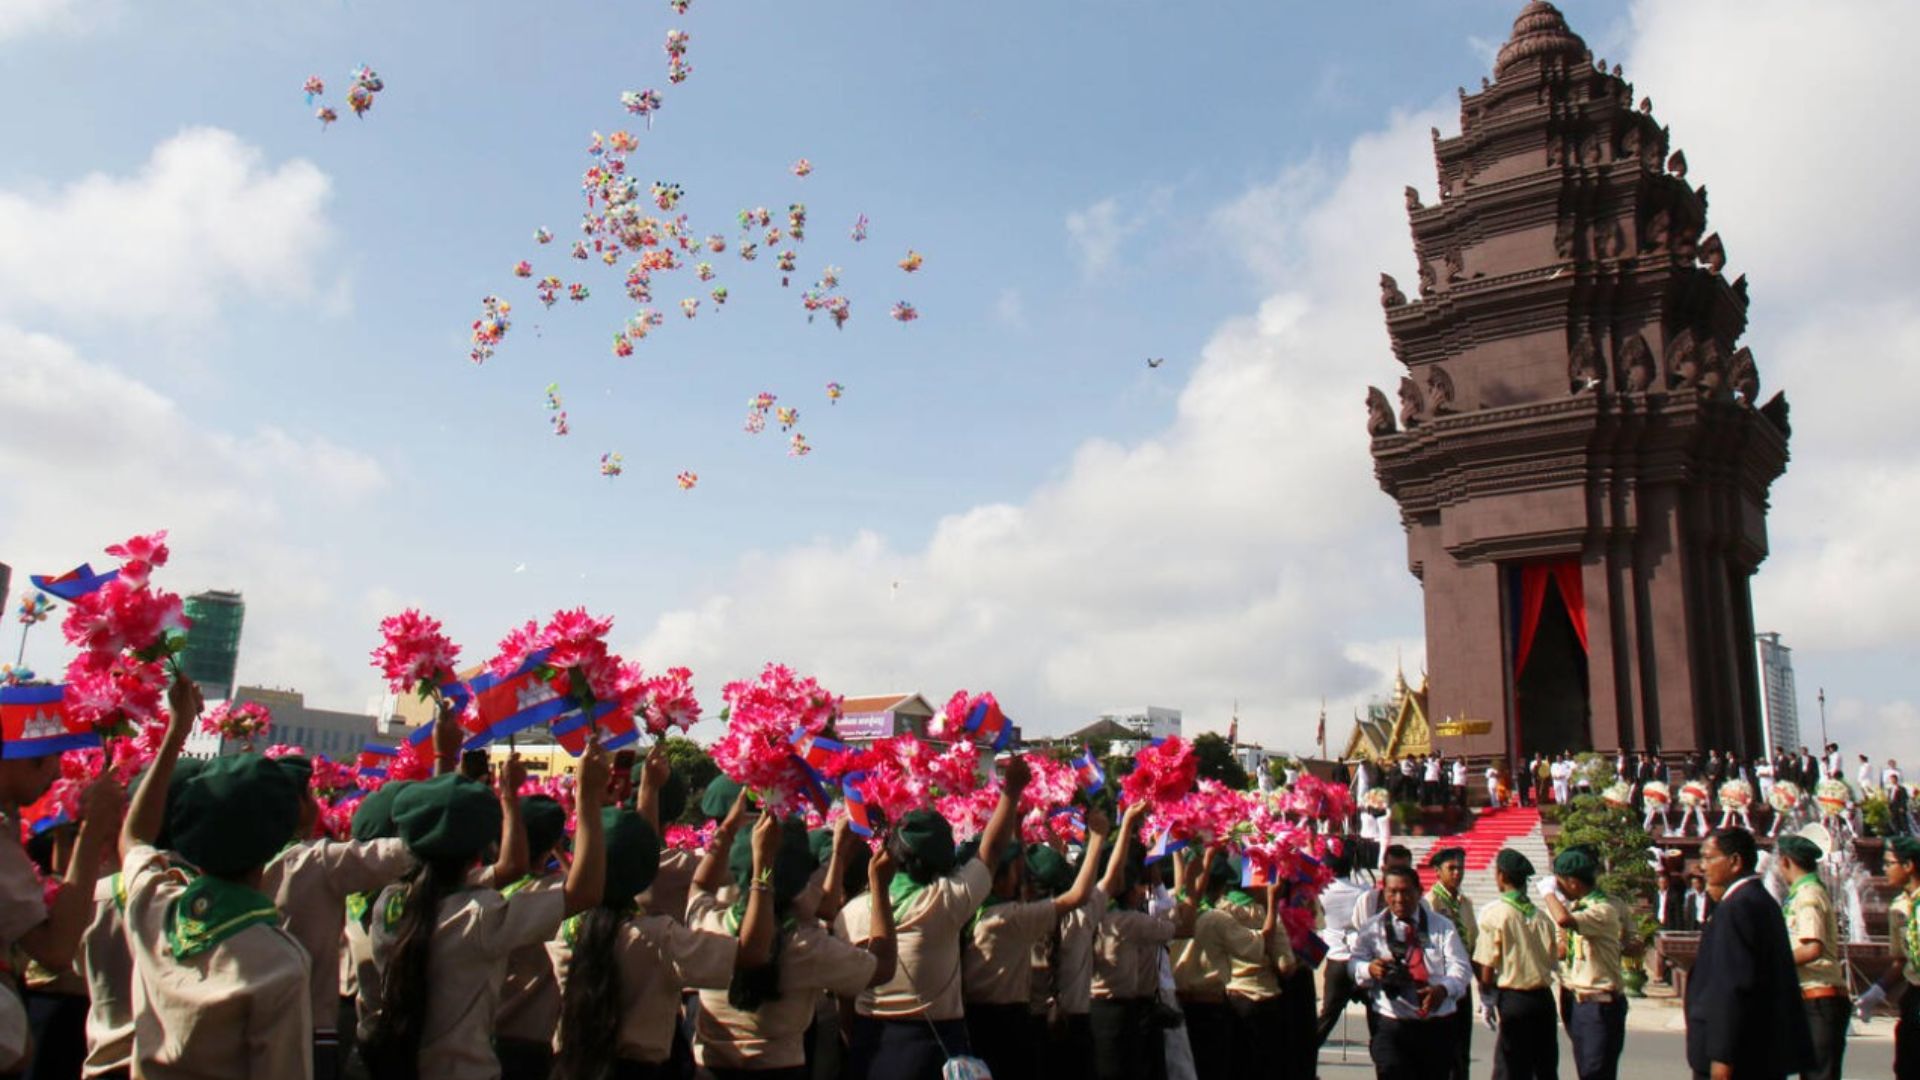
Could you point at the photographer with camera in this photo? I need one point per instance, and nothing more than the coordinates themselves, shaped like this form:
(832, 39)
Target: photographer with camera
(1414, 969)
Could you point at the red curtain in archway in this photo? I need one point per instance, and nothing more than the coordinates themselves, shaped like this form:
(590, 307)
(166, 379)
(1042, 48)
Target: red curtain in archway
(1564, 574)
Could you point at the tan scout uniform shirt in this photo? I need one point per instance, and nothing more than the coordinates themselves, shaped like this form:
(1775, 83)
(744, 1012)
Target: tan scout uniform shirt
(1519, 948)
(466, 969)
(659, 958)
(239, 1009)
(1458, 911)
(1240, 956)
(1810, 917)
(22, 907)
(812, 961)
(1196, 977)
(1899, 913)
(926, 980)
(671, 886)
(309, 883)
(1073, 962)
(1126, 954)
(1593, 946)
(530, 996)
(996, 965)
(108, 966)
(1252, 918)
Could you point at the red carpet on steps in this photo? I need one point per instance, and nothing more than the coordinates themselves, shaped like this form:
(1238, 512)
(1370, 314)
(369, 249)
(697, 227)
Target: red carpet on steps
(1490, 832)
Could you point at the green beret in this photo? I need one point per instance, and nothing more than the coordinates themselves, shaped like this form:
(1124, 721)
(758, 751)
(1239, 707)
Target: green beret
(1577, 863)
(234, 813)
(373, 818)
(1225, 872)
(1445, 855)
(719, 797)
(926, 839)
(793, 863)
(1799, 849)
(299, 766)
(1905, 848)
(1517, 867)
(545, 820)
(633, 854)
(448, 819)
(1050, 869)
(820, 843)
(183, 769)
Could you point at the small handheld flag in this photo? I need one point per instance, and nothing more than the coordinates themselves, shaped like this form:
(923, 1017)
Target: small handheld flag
(504, 706)
(1164, 846)
(374, 758)
(816, 752)
(75, 583)
(34, 722)
(1069, 824)
(1092, 777)
(859, 819)
(986, 723)
(1256, 872)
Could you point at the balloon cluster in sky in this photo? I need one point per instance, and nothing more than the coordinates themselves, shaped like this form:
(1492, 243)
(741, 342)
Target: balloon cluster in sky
(360, 94)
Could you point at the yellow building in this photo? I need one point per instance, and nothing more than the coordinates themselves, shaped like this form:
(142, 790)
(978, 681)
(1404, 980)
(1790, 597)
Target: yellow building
(1394, 731)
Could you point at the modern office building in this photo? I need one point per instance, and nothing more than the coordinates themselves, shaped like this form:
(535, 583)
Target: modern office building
(1780, 704)
(213, 642)
(338, 735)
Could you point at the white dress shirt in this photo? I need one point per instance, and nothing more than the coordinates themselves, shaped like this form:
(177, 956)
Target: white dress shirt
(1336, 902)
(1447, 963)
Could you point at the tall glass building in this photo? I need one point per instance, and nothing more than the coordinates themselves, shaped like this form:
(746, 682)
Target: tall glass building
(213, 644)
(1780, 701)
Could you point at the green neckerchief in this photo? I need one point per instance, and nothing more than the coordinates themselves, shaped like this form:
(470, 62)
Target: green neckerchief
(903, 889)
(1449, 905)
(991, 901)
(737, 914)
(521, 884)
(1576, 946)
(358, 905)
(210, 911)
(118, 883)
(394, 911)
(570, 926)
(1802, 882)
(1240, 898)
(1518, 901)
(1911, 931)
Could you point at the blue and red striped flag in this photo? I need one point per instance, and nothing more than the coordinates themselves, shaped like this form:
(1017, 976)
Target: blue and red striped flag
(73, 584)
(1069, 824)
(34, 722)
(1256, 873)
(374, 758)
(504, 706)
(618, 730)
(816, 752)
(858, 817)
(986, 723)
(1092, 777)
(1164, 846)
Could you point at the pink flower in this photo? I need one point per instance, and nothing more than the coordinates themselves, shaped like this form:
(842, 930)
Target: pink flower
(139, 555)
(968, 813)
(414, 655)
(245, 721)
(414, 762)
(669, 702)
(1161, 774)
(763, 716)
(691, 838)
(113, 692)
(515, 648)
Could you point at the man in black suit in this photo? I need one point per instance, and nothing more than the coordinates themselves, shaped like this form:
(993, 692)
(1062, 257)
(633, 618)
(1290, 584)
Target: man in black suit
(1744, 1014)
(1669, 902)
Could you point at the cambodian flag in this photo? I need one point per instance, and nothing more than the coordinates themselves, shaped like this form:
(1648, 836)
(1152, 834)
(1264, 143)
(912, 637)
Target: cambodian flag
(34, 722)
(503, 706)
(571, 731)
(816, 752)
(73, 584)
(375, 757)
(986, 723)
(1164, 846)
(1256, 873)
(1092, 776)
(858, 818)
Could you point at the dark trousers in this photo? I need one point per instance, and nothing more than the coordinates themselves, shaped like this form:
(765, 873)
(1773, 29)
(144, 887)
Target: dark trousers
(1339, 991)
(1296, 1001)
(58, 1023)
(1069, 1048)
(1906, 1037)
(1407, 1049)
(623, 1069)
(1127, 1042)
(1210, 1035)
(523, 1059)
(1827, 1020)
(794, 1072)
(1259, 1036)
(326, 1056)
(1461, 1039)
(904, 1049)
(1000, 1038)
(1529, 1044)
(1598, 1032)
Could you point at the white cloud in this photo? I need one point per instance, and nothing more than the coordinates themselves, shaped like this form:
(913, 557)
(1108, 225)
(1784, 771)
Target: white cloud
(93, 455)
(1010, 309)
(1099, 231)
(205, 218)
(19, 18)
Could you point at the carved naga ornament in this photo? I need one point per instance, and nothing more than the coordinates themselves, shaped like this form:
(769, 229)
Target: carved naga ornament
(1413, 404)
(1390, 294)
(1379, 413)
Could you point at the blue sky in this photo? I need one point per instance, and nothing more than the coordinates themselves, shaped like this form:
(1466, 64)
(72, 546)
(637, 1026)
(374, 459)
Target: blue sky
(1091, 184)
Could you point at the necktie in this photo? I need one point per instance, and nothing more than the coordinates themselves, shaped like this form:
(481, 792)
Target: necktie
(1416, 956)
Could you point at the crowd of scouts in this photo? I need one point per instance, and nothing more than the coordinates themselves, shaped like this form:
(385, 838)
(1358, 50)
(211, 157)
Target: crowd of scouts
(462, 934)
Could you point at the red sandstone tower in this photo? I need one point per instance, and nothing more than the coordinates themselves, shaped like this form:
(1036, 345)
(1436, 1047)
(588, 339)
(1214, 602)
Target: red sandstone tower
(1579, 457)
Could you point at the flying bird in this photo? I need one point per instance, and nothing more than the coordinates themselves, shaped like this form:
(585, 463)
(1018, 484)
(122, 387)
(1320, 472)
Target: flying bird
(1156, 361)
